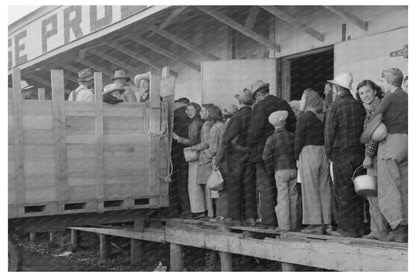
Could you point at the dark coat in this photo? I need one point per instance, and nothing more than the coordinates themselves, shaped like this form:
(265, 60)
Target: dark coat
(235, 135)
(180, 126)
(260, 128)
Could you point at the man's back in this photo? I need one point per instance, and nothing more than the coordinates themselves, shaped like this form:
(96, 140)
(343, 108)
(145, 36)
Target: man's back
(81, 93)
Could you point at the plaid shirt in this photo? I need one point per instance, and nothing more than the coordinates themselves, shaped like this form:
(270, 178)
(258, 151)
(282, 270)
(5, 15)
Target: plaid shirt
(344, 125)
(372, 145)
(278, 152)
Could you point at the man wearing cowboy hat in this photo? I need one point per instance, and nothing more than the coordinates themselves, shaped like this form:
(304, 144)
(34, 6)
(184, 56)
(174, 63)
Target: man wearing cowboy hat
(28, 91)
(121, 78)
(241, 188)
(83, 91)
(113, 93)
(343, 128)
(260, 129)
(392, 157)
(143, 83)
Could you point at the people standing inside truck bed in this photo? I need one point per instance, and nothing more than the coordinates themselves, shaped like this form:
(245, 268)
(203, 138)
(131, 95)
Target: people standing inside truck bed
(260, 129)
(278, 156)
(195, 191)
(241, 183)
(29, 92)
(392, 156)
(178, 188)
(84, 91)
(121, 78)
(216, 133)
(343, 128)
(370, 95)
(142, 81)
(204, 164)
(113, 93)
(313, 164)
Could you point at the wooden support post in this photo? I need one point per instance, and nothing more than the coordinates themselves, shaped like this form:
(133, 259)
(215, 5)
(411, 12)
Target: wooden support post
(226, 261)
(135, 251)
(99, 140)
(41, 94)
(51, 238)
(32, 237)
(74, 238)
(288, 267)
(105, 249)
(176, 257)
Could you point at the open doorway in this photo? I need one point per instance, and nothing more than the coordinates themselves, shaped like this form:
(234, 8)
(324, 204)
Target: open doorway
(307, 70)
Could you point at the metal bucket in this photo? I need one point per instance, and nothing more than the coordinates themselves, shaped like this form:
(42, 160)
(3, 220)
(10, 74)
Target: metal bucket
(364, 185)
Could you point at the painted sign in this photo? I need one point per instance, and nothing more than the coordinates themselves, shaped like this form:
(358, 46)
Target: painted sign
(62, 26)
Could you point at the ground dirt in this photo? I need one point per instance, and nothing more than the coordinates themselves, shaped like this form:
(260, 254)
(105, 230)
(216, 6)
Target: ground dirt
(41, 256)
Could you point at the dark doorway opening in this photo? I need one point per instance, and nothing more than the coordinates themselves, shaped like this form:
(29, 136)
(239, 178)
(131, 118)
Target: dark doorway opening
(311, 71)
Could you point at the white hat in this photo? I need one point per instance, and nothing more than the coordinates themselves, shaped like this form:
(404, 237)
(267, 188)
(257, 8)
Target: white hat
(112, 87)
(343, 79)
(140, 77)
(278, 117)
(24, 85)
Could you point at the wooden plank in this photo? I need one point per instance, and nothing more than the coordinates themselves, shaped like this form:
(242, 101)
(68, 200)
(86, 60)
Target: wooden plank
(80, 122)
(19, 167)
(126, 138)
(105, 246)
(99, 141)
(327, 255)
(37, 108)
(40, 180)
(39, 80)
(74, 237)
(163, 52)
(81, 165)
(294, 22)
(286, 80)
(41, 122)
(40, 195)
(349, 16)
(183, 43)
(113, 60)
(175, 13)
(59, 139)
(124, 123)
(176, 257)
(114, 163)
(81, 193)
(110, 150)
(87, 63)
(124, 110)
(73, 108)
(41, 94)
(39, 166)
(81, 182)
(241, 28)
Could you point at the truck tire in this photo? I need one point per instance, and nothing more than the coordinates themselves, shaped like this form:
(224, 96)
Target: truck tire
(15, 255)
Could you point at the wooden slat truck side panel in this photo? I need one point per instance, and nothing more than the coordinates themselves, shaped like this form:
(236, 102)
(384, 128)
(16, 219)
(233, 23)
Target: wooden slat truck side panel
(82, 157)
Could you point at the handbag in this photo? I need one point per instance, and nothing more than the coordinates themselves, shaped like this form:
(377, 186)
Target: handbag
(215, 180)
(190, 155)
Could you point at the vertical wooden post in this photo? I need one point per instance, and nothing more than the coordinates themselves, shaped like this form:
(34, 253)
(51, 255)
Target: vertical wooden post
(51, 238)
(41, 94)
(105, 249)
(32, 237)
(286, 80)
(99, 142)
(18, 138)
(226, 261)
(59, 135)
(176, 257)
(74, 237)
(135, 251)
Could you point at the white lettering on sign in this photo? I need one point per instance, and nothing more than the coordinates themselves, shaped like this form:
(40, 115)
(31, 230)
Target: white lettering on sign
(62, 26)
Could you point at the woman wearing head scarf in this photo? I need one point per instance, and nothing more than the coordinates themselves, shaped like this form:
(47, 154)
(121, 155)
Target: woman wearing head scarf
(196, 193)
(313, 164)
(370, 95)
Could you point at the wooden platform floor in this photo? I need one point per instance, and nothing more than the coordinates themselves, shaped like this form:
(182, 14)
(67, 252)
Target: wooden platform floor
(289, 248)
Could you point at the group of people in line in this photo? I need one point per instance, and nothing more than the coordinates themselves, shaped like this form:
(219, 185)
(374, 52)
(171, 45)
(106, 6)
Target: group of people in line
(264, 147)
(118, 91)
(282, 162)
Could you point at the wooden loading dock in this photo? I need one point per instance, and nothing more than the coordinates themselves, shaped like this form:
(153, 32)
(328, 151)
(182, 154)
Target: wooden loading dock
(290, 248)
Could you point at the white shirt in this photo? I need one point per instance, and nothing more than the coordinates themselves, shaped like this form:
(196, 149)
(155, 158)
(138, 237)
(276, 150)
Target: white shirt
(82, 93)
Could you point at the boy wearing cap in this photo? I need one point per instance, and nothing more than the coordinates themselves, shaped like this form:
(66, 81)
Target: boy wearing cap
(279, 156)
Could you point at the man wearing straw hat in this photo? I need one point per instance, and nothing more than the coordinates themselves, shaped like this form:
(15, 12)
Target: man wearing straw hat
(343, 128)
(121, 78)
(142, 81)
(392, 157)
(28, 91)
(83, 91)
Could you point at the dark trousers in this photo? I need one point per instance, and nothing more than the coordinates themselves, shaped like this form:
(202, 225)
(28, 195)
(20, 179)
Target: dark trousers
(350, 214)
(266, 189)
(241, 186)
(178, 188)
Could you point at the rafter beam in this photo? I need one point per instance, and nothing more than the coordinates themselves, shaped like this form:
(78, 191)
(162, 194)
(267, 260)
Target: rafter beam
(134, 55)
(349, 16)
(241, 28)
(183, 43)
(39, 80)
(113, 60)
(163, 51)
(294, 22)
(252, 16)
(172, 16)
(94, 66)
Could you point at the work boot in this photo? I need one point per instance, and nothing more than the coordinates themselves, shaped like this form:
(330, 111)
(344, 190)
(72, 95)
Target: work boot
(378, 236)
(314, 229)
(251, 222)
(328, 229)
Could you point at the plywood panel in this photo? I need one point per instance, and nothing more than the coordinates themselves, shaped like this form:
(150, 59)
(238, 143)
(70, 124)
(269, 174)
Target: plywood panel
(73, 182)
(40, 195)
(125, 150)
(39, 166)
(39, 151)
(11, 181)
(137, 138)
(10, 152)
(11, 197)
(139, 177)
(80, 136)
(11, 166)
(135, 190)
(79, 108)
(80, 150)
(113, 191)
(116, 163)
(80, 193)
(81, 164)
(80, 123)
(38, 137)
(37, 108)
(221, 80)
(37, 122)
(40, 180)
